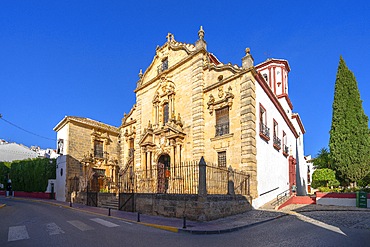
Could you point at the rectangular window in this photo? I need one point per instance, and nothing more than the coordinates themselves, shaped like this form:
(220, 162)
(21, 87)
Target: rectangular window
(222, 159)
(264, 130)
(165, 113)
(222, 121)
(265, 77)
(163, 66)
(98, 149)
(277, 141)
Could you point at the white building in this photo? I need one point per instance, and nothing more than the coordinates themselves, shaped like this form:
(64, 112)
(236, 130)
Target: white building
(280, 153)
(13, 151)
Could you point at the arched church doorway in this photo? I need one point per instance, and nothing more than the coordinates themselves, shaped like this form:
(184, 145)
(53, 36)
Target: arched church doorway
(163, 167)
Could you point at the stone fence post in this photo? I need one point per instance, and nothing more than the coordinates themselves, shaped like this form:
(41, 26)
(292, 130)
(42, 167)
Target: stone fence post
(230, 182)
(202, 185)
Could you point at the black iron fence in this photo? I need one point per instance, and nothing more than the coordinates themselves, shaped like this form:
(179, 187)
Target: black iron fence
(183, 178)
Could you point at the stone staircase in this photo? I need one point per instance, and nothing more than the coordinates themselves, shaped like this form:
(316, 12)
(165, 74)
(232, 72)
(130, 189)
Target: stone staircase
(274, 204)
(284, 201)
(113, 203)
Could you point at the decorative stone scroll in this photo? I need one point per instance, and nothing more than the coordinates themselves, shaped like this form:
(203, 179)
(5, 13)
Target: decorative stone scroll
(226, 99)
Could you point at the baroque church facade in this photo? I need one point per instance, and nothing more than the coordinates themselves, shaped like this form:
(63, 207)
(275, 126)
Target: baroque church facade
(190, 105)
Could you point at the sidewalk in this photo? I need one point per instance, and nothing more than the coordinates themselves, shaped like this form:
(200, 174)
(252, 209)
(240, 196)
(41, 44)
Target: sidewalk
(227, 224)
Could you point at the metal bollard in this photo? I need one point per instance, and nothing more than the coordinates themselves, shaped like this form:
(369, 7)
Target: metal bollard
(184, 222)
(108, 211)
(70, 204)
(138, 217)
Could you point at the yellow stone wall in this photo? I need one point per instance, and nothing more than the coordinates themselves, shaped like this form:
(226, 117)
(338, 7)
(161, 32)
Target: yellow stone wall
(81, 135)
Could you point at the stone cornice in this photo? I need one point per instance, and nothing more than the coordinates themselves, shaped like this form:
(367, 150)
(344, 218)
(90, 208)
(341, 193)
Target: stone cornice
(299, 121)
(86, 121)
(226, 80)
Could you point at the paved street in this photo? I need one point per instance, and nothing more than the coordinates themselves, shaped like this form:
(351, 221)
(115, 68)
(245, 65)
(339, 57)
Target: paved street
(30, 223)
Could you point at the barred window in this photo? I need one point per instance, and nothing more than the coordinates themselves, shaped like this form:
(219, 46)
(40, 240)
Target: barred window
(222, 121)
(277, 141)
(222, 159)
(98, 149)
(264, 130)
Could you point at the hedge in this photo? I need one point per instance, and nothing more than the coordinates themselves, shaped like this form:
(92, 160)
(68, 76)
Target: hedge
(4, 171)
(32, 175)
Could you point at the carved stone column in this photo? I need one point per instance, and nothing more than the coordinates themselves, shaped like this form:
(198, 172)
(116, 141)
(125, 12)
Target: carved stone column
(173, 158)
(148, 163)
(178, 153)
(143, 161)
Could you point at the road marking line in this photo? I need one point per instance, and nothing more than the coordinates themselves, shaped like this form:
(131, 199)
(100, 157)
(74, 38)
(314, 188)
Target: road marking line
(53, 229)
(318, 223)
(80, 225)
(17, 233)
(104, 222)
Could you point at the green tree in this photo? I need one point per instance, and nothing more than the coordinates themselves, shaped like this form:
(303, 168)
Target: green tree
(349, 134)
(324, 177)
(322, 159)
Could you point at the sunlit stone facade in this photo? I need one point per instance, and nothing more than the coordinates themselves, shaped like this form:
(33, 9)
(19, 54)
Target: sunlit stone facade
(190, 105)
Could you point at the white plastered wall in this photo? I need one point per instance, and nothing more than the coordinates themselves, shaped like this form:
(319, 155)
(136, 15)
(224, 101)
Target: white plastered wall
(61, 182)
(272, 165)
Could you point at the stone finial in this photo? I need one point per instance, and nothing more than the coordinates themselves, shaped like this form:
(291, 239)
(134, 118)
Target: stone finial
(247, 60)
(169, 37)
(141, 74)
(201, 33)
(201, 43)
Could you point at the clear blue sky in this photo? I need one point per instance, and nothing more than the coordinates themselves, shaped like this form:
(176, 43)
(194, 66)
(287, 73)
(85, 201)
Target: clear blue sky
(82, 58)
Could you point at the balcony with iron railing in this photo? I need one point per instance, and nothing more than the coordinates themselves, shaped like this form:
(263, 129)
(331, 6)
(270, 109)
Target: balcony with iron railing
(222, 129)
(277, 143)
(285, 150)
(264, 132)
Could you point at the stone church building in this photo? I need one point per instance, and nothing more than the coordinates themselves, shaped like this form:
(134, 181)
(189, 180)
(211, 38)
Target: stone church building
(191, 105)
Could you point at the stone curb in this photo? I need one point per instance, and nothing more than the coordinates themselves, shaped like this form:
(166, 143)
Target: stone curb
(2, 205)
(227, 230)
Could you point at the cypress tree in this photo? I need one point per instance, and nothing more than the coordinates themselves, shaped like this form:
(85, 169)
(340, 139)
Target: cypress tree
(349, 134)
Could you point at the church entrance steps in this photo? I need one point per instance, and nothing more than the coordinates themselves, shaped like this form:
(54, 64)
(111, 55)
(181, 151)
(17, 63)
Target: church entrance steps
(110, 203)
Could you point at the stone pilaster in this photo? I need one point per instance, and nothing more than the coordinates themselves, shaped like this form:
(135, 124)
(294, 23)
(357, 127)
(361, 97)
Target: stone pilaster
(137, 154)
(197, 103)
(248, 131)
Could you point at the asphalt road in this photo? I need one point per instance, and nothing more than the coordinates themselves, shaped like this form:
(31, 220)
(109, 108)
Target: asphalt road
(27, 223)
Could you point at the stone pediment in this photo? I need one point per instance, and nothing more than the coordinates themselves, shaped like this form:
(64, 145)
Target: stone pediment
(127, 118)
(167, 57)
(170, 132)
(147, 139)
